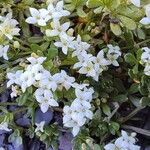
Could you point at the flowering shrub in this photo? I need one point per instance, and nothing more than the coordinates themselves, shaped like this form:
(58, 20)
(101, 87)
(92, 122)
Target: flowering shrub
(74, 73)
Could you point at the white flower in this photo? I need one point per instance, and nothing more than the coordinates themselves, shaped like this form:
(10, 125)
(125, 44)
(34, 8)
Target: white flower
(113, 54)
(57, 28)
(65, 43)
(83, 60)
(136, 2)
(76, 127)
(146, 20)
(88, 69)
(14, 78)
(63, 80)
(8, 27)
(80, 47)
(39, 17)
(76, 115)
(81, 111)
(57, 12)
(79, 86)
(3, 51)
(27, 79)
(4, 126)
(38, 60)
(147, 70)
(145, 57)
(45, 98)
(48, 82)
(84, 95)
(125, 142)
(40, 126)
(1, 148)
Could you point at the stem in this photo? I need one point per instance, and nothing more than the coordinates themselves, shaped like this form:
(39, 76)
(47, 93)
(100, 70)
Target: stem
(7, 103)
(3, 109)
(133, 113)
(20, 41)
(143, 42)
(57, 109)
(19, 110)
(113, 113)
(138, 130)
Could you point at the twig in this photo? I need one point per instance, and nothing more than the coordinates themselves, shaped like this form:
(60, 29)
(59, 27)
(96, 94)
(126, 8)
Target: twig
(133, 113)
(7, 103)
(57, 109)
(138, 130)
(113, 113)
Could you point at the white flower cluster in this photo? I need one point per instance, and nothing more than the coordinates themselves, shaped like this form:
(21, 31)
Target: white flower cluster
(42, 16)
(125, 142)
(94, 65)
(76, 115)
(145, 59)
(8, 29)
(46, 84)
(34, 74)
(88, 64)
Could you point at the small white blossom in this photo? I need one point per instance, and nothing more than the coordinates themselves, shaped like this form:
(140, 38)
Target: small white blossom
(113, 54)
(8, 27)
(45, 99)
(14, 78)
(65, 43)
(3, 51)
(1, 148)
(146, 20)
(57, 28)
(38, 60)
(136, 2)
(40, 126)
(145, 57)
(80, 47)
(147, 70)
(63, 80)
(125, 142)
(48, 82)
(39, 17)
(56, 12)
(4, 126)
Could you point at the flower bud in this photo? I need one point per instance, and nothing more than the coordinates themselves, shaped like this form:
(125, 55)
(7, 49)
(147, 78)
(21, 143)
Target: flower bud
(16, 44)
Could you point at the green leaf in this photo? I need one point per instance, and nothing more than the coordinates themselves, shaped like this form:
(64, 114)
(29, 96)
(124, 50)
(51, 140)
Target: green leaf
(44, 46)
(22, 99)
(127, 22)
(106, 109)
(135, 69)
(130, 58)
(115, 28)
(80, 12)
(121, 98)
(140, 34)
(35, 39)
(52, 52)
(97, 147)
(27, 2)
(35, 47)
(145, 101)
(94, 3)
(134, 88)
